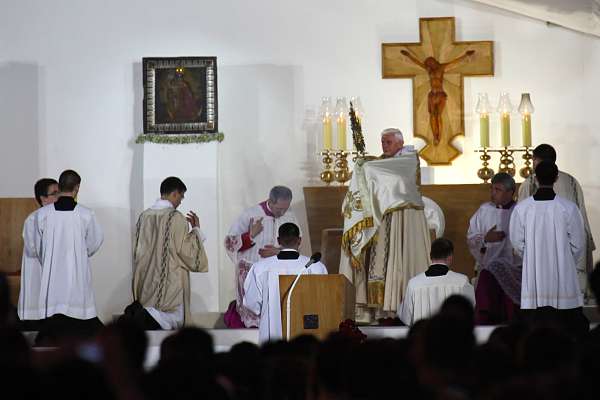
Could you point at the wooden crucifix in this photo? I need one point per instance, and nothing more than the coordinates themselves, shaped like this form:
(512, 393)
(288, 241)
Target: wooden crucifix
(437, 66)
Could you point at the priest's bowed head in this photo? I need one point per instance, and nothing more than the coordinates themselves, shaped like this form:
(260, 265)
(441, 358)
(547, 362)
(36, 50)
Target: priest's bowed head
(279, 201)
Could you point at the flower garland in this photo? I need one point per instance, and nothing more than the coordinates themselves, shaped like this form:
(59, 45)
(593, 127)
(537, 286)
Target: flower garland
(180, 139)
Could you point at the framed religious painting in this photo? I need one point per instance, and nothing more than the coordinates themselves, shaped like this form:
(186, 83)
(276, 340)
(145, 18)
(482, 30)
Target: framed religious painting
(180, 95)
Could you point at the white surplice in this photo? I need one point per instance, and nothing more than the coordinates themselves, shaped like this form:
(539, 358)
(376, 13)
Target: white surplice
(262, 290)
(243, 258)
(550, 236)
(64, 242)
(498, 257)
(426, 294)
(31, 274)
(567, 187)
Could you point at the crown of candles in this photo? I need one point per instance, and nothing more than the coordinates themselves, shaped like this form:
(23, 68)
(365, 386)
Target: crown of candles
(504, 110)
(339, 115)
(334, 160)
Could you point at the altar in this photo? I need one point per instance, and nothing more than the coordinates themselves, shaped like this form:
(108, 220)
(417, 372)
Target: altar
(458, 202)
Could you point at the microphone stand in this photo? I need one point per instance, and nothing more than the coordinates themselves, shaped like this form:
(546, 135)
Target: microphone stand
(314, 259)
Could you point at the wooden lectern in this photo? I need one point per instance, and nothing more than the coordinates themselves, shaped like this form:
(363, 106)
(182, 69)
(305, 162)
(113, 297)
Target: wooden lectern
(319, 304)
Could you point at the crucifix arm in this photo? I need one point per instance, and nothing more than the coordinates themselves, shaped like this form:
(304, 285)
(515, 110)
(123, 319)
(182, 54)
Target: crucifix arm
(412, 58)
(458, 60)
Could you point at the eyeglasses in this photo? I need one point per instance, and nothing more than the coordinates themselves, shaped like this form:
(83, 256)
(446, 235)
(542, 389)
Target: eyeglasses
(52, 193)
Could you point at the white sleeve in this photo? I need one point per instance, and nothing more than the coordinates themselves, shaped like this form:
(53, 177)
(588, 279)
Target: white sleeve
(524, 190)
(233, 241)
(516, 231)
(576, 233)
(469, 292)
(241, 225)
(252, 292)
(94, 237)
(475, 238)
(318, 269)
(434, 216)
(29, 237)
(586, 223)
(38, 228)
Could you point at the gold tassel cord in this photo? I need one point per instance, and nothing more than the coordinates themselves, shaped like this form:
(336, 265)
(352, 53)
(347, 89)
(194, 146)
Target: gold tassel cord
(347, 240)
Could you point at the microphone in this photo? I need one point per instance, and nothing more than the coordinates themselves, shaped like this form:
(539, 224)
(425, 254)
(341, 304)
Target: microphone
(315, 258)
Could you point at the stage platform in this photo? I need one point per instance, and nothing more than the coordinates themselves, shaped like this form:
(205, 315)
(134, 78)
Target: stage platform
(224, 339)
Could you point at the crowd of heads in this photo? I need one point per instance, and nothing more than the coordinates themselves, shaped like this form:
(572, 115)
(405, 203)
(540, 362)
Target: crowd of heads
(440, 358)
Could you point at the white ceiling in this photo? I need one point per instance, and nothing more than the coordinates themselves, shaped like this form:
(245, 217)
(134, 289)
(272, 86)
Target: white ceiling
(579, 15)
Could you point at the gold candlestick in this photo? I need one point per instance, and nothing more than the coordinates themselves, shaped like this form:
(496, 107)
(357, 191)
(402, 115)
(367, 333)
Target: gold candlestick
(526, 171)
(327, 174)
(485, 173)
(342, 173)
(507, 162)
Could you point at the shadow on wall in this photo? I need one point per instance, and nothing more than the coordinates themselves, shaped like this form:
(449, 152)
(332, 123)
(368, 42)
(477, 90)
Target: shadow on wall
(136, 187)
(115, 280)
(262, 113)
(111, 266)
(19, 113)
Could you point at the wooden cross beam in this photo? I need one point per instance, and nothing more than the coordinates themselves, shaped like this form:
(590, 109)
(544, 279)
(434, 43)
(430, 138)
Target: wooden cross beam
(437, 66)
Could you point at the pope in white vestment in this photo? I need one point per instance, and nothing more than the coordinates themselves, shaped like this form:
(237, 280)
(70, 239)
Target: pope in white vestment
(567, 187)
(67, 235)
(386, 238)
(261, 288)
(253, 236)
(548, 231)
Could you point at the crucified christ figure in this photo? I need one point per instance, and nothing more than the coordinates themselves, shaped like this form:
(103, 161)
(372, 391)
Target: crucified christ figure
(437, 97)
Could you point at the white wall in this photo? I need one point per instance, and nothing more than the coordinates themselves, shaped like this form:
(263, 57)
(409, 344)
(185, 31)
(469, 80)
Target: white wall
(70, 97)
